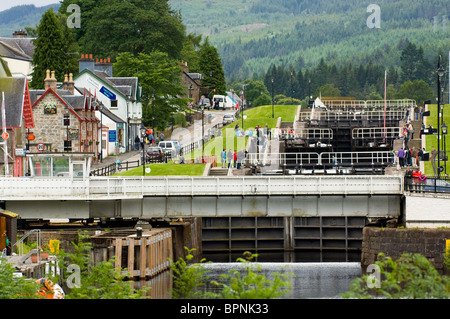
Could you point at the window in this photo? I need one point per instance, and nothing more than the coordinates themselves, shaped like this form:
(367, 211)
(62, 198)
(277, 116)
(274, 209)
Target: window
(113, 103)
(66, 120)
(67, 146)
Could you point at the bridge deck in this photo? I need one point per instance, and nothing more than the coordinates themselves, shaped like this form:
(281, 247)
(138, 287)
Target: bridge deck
(19, 189)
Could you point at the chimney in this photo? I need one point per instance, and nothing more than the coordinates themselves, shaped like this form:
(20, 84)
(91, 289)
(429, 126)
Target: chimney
(50, 81)
(21, 34)
(69, 84)
(105, 65)
(185, 67)
(86, 62)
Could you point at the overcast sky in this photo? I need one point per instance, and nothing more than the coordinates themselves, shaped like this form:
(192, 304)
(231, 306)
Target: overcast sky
(5, 4)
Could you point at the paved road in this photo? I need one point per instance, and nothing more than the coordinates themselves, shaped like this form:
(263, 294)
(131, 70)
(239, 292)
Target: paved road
(185, 136)
(194, 132)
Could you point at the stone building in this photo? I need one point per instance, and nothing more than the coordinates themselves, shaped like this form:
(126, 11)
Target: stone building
(65, 118)
(192, 83)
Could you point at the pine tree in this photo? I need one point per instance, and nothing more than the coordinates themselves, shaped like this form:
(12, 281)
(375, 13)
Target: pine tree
(210, 66)
(50, 50)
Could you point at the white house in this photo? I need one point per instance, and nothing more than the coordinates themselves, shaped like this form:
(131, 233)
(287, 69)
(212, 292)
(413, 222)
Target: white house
(18, 52)
(120, 97)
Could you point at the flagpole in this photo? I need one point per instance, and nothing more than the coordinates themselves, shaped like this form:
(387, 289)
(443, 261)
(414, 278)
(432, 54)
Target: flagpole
(5, 149)
(385, 82)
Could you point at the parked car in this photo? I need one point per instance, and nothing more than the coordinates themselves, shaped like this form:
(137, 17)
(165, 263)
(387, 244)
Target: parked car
(170, 148)
(204, 103)
(155, 154)
(228, 118)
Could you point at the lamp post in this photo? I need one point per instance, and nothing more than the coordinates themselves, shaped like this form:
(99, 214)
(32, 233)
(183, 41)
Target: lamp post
(203, 135)
(292, 87)
(309, 92)
(100, 108)
(272, 80)
(243, 104)
(440, 74)
(66, 124)
(444, 132)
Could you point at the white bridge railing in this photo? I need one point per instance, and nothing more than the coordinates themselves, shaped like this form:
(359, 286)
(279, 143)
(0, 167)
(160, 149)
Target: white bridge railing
(325, 158)
(37, 189)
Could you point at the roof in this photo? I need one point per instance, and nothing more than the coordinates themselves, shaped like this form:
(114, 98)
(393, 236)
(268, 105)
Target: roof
(127, 87)
(15, 90)
(60, 97)
(17, 48)
(111, 115)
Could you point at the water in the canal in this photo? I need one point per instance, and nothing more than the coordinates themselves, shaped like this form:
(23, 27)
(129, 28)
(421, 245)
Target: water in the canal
(308, 280)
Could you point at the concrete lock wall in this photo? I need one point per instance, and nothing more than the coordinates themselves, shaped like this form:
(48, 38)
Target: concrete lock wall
(393, 242)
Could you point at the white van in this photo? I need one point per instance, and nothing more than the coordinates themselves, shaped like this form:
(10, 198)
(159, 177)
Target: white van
(222, 102)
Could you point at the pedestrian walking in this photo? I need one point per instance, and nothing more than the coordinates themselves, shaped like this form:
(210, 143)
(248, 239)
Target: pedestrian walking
(434, 154)
(137, 140)
(229, 157)
(401, 155)
(223, 156)
(235, 158)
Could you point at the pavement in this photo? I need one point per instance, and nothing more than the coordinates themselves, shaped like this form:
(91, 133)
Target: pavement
(184, 136)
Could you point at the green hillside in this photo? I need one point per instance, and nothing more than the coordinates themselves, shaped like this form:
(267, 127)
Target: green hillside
(253, 34)
(19, 17)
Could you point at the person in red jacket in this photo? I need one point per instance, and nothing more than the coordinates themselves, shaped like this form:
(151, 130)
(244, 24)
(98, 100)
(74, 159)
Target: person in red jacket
(235, 158)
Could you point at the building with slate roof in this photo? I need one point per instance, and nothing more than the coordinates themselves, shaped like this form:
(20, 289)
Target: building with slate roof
(65, 118)
(120, 97)
(18, 52)
(14, 95)
(192, 84)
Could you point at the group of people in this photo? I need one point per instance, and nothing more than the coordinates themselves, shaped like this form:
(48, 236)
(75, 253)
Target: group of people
(148, 138)
(415, 175)
(234, 159)
(410, 157)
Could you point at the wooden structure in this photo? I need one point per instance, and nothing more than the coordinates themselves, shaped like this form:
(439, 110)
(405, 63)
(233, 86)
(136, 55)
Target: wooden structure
(142, 255)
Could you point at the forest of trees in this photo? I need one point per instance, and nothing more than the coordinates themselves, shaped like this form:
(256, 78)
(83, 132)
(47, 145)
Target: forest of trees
(309, 47)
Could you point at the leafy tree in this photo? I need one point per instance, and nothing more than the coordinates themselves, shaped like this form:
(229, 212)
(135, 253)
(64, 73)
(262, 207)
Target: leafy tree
(50, 50)
(254, 89)
(263, 99)
(188, 278)
(252, 283)
(190, 51)
(160, 79)
(109, 27)
(417, 90)
(210, 65)
(12, 287)
(411, 276)
(328, 90)
(101, 281)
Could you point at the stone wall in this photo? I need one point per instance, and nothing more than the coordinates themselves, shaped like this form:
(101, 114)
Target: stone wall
(394, 242)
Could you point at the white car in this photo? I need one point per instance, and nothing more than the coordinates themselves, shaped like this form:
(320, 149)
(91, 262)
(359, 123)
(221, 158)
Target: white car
(228, 118)
(171, 148)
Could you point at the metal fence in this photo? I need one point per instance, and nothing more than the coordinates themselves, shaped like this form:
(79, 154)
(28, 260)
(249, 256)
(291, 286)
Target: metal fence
(431, 184)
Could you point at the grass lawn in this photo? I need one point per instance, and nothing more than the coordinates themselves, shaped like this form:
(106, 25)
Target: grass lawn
(431, 140)
(261, 115)
(167, 169)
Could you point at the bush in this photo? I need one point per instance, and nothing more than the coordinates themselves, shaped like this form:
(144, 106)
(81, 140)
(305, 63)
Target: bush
(411, 276)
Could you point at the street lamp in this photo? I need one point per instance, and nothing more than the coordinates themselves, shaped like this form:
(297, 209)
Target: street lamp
(272, 80)
(440, 73)
(444, 132)
(243, 103)
(203, 135)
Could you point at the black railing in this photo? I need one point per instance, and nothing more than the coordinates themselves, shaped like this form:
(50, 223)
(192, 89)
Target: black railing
(431, 184)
